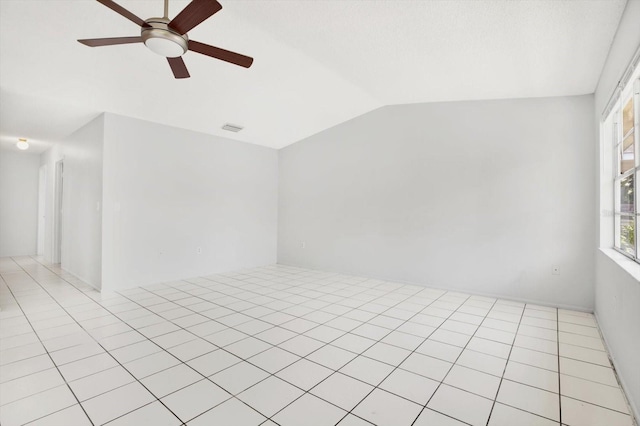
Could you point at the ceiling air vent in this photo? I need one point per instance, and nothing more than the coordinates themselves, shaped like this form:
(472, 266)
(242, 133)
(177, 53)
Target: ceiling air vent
(232, 127)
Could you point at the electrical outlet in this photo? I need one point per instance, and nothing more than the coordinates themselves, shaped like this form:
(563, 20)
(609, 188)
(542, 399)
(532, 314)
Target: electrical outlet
(555, 270)
(199, 250)
(303, 244)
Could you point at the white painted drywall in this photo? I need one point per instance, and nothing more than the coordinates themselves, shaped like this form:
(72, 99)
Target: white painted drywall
(168, 191)
(18, 203)
(42, 203)
(81, 153)
(82, 203)
(617, 292)
(617, 296)
(482, 196)
(49, 158)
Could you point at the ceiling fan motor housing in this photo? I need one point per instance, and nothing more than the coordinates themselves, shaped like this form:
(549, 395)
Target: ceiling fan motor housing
(163, 40)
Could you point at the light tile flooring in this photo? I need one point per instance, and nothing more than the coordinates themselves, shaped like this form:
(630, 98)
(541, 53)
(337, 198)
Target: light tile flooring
(292, 347)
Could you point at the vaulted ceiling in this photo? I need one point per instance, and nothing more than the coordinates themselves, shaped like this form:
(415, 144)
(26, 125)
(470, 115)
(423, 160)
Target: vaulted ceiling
(317, 63)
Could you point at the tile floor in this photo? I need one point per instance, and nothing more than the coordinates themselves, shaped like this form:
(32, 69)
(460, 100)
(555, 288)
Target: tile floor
(292, 347)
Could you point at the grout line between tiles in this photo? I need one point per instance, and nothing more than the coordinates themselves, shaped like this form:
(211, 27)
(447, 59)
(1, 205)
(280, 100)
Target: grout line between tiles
(424, 407)
(221, 348)
(53, 362)
(107, 351)
(305, 357)
(374, 387)
(559, 377)
(505, 367)
(256, 283)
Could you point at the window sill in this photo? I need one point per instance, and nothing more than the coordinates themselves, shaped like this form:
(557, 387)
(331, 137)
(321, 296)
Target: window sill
(629, 265)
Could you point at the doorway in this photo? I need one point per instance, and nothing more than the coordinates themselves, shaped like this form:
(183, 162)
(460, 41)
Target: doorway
(42, 197)
(57, 225)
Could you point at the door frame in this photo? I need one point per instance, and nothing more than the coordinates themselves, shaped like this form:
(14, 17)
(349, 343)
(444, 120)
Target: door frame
(42, 209)
(57, 212)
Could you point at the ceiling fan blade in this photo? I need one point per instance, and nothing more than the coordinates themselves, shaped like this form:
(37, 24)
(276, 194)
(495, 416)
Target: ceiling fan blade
(195, 12)
(97, 42)
(124, 12)
(178, 67)
(223, 55)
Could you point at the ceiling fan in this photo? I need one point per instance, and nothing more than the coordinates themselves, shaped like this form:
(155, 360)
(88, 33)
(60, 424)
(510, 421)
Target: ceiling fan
(168, 37)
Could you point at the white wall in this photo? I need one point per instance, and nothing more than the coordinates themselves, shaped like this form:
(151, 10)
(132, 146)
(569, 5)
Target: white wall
(42, 205)
(81, 153)
(482, 196)
(617, 291)
(168, 191)
(618, 312)
(18, 203)
(82, 203)
(49, 159)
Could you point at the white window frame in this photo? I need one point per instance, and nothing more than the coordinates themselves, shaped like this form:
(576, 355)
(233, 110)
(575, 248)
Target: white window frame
(630, 92)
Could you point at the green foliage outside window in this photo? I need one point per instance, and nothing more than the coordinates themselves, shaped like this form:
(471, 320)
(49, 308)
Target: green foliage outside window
(628, 237)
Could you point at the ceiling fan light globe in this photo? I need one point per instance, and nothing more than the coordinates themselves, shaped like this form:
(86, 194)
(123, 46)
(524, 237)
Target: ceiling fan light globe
(164, 47)
(160, 39)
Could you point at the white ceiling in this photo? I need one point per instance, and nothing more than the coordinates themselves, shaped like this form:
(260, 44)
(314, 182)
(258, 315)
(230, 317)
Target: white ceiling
(317, 63)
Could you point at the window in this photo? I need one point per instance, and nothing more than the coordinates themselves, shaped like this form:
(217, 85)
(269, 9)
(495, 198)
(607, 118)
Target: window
(626, 139)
